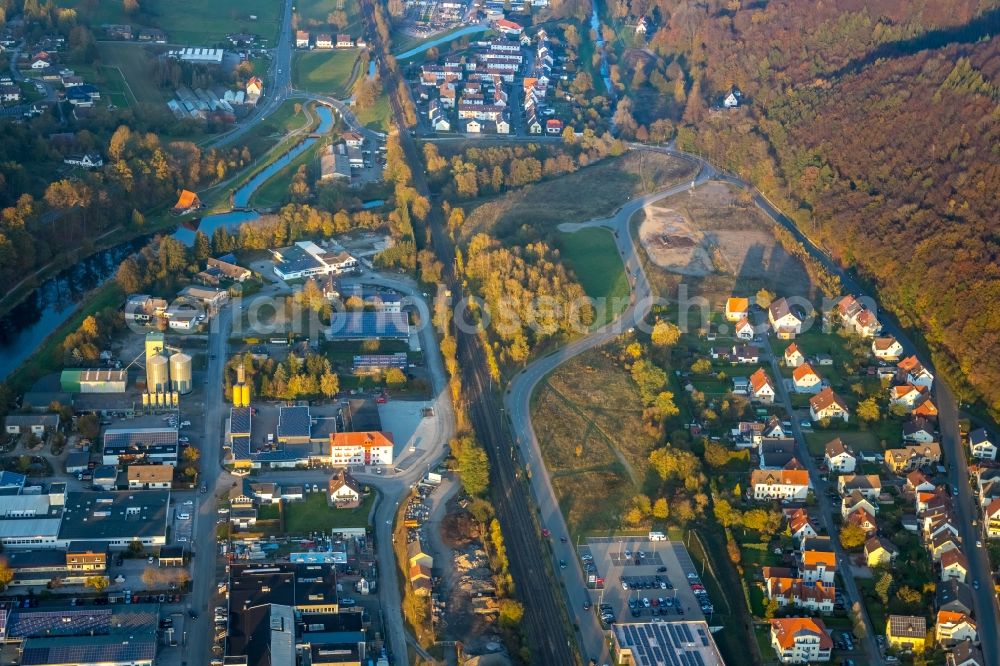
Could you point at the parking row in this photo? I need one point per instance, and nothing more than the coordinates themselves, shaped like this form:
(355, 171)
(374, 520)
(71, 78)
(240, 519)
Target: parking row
(700, 594)
(654, 606)
(657, 581)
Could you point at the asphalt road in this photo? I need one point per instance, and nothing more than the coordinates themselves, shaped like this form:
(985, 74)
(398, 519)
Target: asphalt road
(517, 401)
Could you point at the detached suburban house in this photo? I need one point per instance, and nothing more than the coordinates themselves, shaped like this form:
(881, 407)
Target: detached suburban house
(737, 308)
(954, 566)
(868, 485)
(914, 456)
(887, 348)
(805, 379)
(761, 388)
(991, 514)
(744, 329)
(916, 373)
(827, 405)
(858, 318)
(952, 628)
(838, 457)
(879, 551)
(793, 357)
(906, 632)
(982, 445)
(786, 324)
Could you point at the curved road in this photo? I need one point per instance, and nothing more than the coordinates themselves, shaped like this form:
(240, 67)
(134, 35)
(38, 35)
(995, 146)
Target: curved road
(517, 400)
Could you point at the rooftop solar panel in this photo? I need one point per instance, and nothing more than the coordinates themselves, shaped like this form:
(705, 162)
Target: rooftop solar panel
(355, 325)
(293, 422)
(239, 420)
(687, 633)
(697, 658)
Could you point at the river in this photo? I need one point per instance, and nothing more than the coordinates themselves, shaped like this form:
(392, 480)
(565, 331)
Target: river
(23, 329)
(447, 37)
(595, 26)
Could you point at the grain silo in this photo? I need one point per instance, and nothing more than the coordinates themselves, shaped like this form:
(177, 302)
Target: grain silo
(246, 395)
(175, 398)
(154, 344)
(145, 400)
(157, 374)
(180, 373)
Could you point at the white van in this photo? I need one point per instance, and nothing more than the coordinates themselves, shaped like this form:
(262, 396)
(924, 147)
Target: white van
(657, 536)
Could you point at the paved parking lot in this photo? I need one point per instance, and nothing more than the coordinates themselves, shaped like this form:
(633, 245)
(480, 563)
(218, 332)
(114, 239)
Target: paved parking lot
(183, 527)
(651, 570)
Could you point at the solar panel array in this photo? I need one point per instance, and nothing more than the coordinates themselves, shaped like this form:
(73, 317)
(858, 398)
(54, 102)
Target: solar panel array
(119, 440)
(86, 650)
(667, 643)
(34, 623)
(355, 325)
(293, 422)
(241, 448)
(239, 420)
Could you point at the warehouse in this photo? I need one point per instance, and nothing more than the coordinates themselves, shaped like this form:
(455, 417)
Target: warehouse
(369, 326)
(116, 518)
(305, 259)
(36, 424)
(94, 380)
(155, 445)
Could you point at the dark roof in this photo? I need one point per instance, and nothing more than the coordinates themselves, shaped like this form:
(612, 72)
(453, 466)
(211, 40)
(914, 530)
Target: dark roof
(115, 515)
(149, 440)
(293, 422)
(89, 649)
(953, 595)
(353, 325)
(977, 436)
(239, 420)
(28, 420)
(81, 621)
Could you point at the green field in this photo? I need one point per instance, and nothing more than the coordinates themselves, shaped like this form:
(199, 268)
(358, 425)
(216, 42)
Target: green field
(188, 22)
(592, 255)
(313, 14)
(127, 71)
(274, 191)
(378, 116)
(313, 514)
(276, 126)
(327, 72)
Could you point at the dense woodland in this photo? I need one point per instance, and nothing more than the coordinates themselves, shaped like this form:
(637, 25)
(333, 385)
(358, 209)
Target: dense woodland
(874, 123)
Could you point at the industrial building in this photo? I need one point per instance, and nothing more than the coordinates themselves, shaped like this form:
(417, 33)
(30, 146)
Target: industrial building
(36, 424)
(665, 644)
(85, 636)
(156, 445)
(72, 566)
(281, 438)
(94, 380)
(166, 378)
(198, 56)
(306, 259)
(369, 326)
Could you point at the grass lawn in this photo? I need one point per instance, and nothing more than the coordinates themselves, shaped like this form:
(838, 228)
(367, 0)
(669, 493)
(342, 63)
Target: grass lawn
(313, 514)
(274, 191)
(313, 13)
(378, 116)
(859, 440)
(592, 255)
(268, 512)
(329, 72)
(586, 403)
(594, 191)
(131, 65)
(189, 22)
(273, 128)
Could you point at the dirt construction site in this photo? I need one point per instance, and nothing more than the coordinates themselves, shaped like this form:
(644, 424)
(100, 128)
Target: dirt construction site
(716, 231)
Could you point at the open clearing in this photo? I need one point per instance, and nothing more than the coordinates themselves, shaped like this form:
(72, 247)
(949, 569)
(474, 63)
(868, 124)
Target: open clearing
(588, 402)
(594, 191)
(314, 514)
(313, 14)
(188, 22)
(328, 72)
(592, 256)
(134, 62)
(718, 243)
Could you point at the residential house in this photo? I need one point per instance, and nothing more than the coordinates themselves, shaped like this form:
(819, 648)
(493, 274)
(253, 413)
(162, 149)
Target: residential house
(817, 561)
(991, 515)
(941, 543)
(787, 591)
(793, 357)
(553, 127)
(982, 444)
(916, 373)
(800, 524)
(437, 118)
(838, 458)
(913, 456)
(827, 405)
(761, 388)
(965, 654)
(919, 429)
(907, 633)
(786, 323)
(36, 424)
(887, 349)
(744, 329)
(805, 379)
(324, 40)
(858, 318)
(420, 580)
(905, 395)
(508, 27)
(879, 551)
(301, 39)
(641, 26)
(855, 501)
(344, 42)
(778, 454)
(150, 477)
(781, 484)
(953, 595)
(954, 566)
(747, 434)
(243, 517)
(353, 139)
(448, 96)
(773, 429)
(266, 492)
(731, 101)
(292, 493)
(745, 354)
(869, 485)
(916, 482)
(153, 35)
(800, 640)
(10, 92)
(952, 628)
(40, 62)
(864, 520)
(86, 161)
(343, 491)
(925, 408)
(737, 308)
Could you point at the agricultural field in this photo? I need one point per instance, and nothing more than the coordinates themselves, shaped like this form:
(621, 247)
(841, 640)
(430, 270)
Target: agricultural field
(592, 256)
(378, 116)
(591, 192)
(579, 413)
(188, 22)
(328, 72)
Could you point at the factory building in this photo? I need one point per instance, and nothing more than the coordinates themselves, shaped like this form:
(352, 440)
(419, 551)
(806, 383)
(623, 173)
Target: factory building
(94, 381)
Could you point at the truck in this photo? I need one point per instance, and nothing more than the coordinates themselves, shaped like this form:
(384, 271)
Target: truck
(433, 478)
